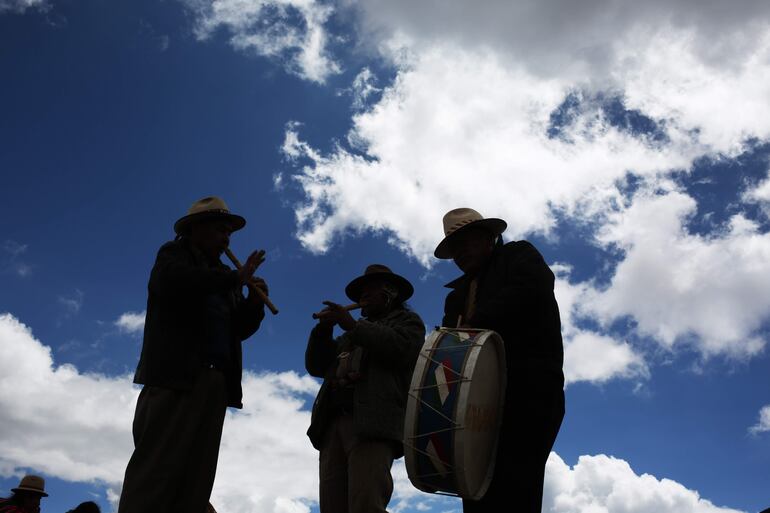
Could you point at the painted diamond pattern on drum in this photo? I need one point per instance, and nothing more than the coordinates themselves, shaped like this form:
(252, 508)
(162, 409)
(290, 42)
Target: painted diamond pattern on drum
(436, 454)
(444, 378)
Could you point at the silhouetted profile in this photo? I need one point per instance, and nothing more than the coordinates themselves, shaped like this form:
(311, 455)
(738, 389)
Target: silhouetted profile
(25, 497)
(191, 362)
(86, 507)
(358, 416)
(508, 288)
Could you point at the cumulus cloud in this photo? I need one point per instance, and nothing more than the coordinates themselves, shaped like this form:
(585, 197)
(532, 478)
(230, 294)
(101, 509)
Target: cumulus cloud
(291, 31)
(605, 484)
(589, 355)
(131, 322)
(763, 424)
(563, 38)
(711, 291)
(458, 128)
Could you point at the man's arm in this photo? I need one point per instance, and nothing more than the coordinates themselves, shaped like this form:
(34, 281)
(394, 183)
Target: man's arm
(321, 350)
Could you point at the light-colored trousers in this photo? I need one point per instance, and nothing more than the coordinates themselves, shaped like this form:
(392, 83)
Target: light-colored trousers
(355, 473)
(176, 439)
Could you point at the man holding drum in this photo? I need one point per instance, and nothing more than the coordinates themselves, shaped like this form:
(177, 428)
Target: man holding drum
(358, 416)
(190, 363)
(508, 288)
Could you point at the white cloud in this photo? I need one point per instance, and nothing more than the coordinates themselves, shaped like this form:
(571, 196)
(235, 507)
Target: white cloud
(289, 30)
(759, 194)
(588, 355)
(19, 6)
(131, 322)
(712, 291)
(14, 251)
(458, 128)
(763, 424)
(603, 484)
(77, 427)
(71, 303)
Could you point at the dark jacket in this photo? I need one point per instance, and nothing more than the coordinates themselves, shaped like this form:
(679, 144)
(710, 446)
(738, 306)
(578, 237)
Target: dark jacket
(391, 346)
(515, 298)
(174, 348)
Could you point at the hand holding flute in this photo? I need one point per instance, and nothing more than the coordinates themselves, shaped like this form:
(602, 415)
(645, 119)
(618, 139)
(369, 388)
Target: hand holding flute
(337, 314)
(246, 271)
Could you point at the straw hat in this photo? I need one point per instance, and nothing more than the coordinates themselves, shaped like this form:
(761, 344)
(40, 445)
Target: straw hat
(459, 218)
(34, 484)
(379, 272)
(207, 208)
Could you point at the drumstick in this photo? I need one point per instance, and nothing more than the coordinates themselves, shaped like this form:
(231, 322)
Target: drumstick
(259, 291)
(354, 306)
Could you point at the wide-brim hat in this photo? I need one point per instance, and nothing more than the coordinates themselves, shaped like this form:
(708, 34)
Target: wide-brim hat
(207, 208)
(460, 218)
(379, 272)
(35, 484)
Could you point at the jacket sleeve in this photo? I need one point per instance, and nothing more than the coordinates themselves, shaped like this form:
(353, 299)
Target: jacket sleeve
(321, 350)
(175, 273)
(390, 345)
(527, 276)
(248, 317)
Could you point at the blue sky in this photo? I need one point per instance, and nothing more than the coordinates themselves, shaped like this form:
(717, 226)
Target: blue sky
(630, 143)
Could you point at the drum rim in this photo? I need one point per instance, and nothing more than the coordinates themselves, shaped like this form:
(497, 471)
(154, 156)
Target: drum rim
(412, 403)
(469, 366)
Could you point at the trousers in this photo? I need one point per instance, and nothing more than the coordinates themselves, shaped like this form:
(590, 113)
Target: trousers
(354, 472)
(176, 447)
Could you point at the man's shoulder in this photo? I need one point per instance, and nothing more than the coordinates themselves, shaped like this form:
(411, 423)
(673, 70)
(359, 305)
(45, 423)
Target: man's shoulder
(519, 249)
(403, 315)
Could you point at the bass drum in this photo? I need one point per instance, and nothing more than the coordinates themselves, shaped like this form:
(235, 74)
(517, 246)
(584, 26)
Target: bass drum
(454, 411)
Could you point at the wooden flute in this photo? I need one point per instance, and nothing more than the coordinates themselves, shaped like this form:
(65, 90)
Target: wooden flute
(251, 286)
(354, 306)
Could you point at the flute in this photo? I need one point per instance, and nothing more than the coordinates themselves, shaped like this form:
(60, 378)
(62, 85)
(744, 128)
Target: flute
(251, 286)
(354, 306)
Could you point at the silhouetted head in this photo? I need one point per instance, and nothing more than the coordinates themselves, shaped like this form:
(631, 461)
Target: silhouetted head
(208, 224)
(380, 290)
(469, 238)
(86, 507)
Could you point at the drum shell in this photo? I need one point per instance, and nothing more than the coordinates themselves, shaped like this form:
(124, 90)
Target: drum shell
(461, 449)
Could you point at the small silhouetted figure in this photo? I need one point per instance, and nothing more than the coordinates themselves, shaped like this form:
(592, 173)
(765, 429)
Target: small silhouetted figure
(358, 416)
(508, 288)
(86, 507)
(26, 497)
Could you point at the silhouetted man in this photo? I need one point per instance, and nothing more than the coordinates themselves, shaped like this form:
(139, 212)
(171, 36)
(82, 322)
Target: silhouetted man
(190, 363)
(508, 288)
(358, 416)
(26, 497)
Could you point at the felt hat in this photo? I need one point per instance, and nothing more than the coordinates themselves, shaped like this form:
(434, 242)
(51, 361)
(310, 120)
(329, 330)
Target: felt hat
(459, 218)
(208, 208)
(31, 483)
(379, 272)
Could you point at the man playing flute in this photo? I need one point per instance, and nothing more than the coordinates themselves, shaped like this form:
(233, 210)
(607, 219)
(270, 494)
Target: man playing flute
(508, 288)
(358, 416)
(190, 363)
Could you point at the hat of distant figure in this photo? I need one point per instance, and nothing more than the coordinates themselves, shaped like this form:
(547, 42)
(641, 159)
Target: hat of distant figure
(209, 208)
(379, 272)
(459, 219)
(35, 484)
